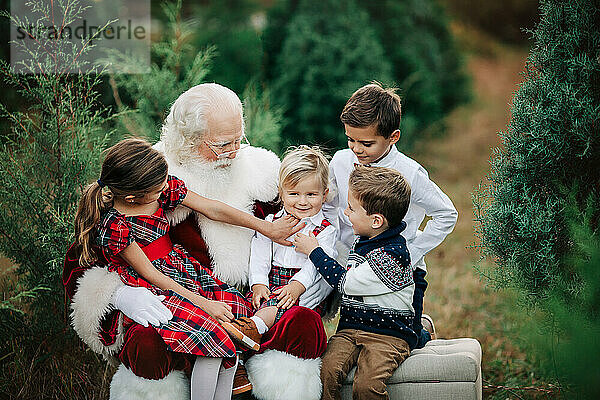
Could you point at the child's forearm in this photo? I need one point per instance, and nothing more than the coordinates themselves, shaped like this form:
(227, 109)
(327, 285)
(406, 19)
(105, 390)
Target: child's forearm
(135, 257)
(328, 267)
(219, 211)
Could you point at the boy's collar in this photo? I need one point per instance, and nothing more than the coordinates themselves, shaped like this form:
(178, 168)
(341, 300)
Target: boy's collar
(387, 160)
(367, 244)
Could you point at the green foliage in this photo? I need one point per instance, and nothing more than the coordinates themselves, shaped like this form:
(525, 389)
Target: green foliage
(50, 153)
(262, 121)
(551, 150)
(233, 27)
(417, 46)
(565, 339)
(426, 62)
(328, 52)
(176, 66)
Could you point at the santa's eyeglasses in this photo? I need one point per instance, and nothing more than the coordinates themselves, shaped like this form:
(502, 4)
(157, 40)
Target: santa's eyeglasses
(225, 149)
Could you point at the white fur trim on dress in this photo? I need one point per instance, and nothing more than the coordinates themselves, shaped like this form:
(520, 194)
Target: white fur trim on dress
(91, 303)
(125, 385)
(277, 375)
(252, 176)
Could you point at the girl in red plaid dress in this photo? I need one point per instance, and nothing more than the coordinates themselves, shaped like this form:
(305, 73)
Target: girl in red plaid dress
(279, 276)
(128, 225)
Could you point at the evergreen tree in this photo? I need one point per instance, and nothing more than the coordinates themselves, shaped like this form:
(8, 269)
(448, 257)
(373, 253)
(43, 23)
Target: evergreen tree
(328, 52)
(425, 62)
(234, 27)
(177, 65)
(50, 153)
(262, 121)
(565, 338)
(550, 152)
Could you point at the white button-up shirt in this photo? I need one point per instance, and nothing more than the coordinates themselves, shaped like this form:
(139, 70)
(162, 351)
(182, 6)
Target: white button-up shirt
(426, 198)
(264, 251)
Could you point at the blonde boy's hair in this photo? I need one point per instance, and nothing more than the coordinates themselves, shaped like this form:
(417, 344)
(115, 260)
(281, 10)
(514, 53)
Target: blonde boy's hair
(301, 162)
(381, 191)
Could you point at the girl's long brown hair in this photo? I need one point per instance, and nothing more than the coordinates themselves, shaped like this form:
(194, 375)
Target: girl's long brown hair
(131, 167)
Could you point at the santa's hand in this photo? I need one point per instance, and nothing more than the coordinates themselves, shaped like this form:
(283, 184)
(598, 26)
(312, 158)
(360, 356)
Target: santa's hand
(283, 228)
(141, 305)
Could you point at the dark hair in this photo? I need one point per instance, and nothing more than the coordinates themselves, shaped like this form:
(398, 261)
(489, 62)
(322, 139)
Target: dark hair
(373, 104)
(381, 191)
(131, 167)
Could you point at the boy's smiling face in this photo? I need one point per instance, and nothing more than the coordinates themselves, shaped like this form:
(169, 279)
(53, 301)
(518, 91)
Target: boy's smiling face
(361, 223)
(305, 198)
(369, 146)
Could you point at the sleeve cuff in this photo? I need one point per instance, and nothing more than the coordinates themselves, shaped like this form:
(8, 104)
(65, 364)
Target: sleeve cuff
(317, 255)
(92, 304)
(258, 281)
(303, 280)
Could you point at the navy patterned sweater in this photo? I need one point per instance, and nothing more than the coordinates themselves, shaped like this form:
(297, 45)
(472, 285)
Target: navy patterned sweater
(377, 287)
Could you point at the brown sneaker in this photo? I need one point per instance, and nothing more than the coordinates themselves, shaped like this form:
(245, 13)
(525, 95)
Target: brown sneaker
(241, 383)
(427, 323)
(243, 330)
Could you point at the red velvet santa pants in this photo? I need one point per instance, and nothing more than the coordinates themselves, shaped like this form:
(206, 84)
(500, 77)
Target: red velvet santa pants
(299, 332)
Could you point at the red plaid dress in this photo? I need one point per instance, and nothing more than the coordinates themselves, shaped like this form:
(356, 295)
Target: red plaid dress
(191, 330)
(281, 276)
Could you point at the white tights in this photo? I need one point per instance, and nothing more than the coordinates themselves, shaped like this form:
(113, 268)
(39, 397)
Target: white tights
(210, 381)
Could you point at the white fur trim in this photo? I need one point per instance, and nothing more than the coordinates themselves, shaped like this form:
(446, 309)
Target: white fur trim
(125, 385)
(277, 375)
(264, 173)
(251, 176)
(91, 303)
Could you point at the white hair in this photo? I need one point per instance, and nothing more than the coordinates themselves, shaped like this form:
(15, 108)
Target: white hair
(187, 122)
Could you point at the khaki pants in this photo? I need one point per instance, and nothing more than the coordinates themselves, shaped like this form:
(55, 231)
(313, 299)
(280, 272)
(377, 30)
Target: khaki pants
(376, 358)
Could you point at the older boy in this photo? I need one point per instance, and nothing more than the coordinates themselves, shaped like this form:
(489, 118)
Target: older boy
(371, 118)
(375, 329)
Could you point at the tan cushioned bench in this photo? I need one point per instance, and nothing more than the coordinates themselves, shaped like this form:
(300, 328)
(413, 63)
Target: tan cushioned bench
(443, 369)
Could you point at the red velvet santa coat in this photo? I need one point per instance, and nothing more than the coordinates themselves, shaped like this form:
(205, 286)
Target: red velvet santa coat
(292, 346)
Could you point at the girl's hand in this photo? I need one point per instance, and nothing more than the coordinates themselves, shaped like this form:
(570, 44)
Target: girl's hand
(305, 244)
(259, 292)
(288, 295)
(283, 228)
(216, 309)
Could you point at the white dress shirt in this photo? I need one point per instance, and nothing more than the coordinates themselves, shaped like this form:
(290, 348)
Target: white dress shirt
(426, 199)
(263, 251)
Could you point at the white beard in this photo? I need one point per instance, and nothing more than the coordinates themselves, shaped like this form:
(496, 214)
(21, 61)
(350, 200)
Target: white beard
(250, 176)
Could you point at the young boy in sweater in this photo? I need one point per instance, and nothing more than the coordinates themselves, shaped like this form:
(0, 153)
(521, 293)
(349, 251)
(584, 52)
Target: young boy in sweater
(371, 118)
(376, 315)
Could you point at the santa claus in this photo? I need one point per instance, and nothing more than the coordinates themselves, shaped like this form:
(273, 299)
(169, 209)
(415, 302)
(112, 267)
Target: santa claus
(204, 144)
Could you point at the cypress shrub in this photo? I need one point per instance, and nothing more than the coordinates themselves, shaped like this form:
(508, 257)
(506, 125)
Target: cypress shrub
(177, 65)
(50, 153)
(550, 153)
(328, 52)
(424, 60)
